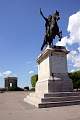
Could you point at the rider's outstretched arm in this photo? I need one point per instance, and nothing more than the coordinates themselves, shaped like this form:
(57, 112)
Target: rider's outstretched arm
(43, 15)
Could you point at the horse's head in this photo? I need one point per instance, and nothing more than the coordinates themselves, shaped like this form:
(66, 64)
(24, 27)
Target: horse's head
(56, 15)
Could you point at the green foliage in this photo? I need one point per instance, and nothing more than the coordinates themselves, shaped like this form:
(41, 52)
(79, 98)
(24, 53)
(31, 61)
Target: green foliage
(32, 89)
(15, 89)
(11, 89)
(34, 79)
(75, 76)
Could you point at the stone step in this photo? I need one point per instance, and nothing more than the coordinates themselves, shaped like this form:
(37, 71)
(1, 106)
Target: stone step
(57, 99)
(58, 104)
(62, 94)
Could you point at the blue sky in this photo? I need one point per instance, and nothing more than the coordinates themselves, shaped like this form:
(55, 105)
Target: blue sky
(22, 32)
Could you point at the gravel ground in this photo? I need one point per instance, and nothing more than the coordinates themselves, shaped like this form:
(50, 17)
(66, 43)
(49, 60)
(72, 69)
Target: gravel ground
(12, 107)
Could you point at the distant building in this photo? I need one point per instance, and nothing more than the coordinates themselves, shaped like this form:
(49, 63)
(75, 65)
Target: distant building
(10, 83)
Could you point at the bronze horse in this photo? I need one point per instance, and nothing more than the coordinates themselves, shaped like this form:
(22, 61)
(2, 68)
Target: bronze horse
(52, 29)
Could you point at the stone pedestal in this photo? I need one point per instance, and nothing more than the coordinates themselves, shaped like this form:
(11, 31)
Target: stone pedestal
(53, 77)
(52, 71)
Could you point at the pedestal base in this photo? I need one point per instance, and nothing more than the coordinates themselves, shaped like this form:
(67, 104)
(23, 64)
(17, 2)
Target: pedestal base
(53, 92)
(55, 99)
(58, 83)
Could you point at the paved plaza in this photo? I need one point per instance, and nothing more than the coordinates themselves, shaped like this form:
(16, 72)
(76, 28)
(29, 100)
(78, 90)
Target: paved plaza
(12, 107)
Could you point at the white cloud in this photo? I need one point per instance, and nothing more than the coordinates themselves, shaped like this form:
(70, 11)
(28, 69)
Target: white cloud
(73, 70)
(74, 57)
(73, 29)
(77, 62)
(7, 73)
(74, 37)
(1, 74)
(79, 49)
(31, 72)
(74, 52)
(63, 41)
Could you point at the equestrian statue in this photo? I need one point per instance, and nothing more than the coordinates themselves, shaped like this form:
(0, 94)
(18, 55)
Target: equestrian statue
(51, 28)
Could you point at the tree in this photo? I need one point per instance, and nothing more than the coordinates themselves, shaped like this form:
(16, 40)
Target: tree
(34, 79)
(75, 76)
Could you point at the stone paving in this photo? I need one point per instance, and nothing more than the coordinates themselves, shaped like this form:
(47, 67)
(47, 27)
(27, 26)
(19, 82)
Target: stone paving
(12, 107)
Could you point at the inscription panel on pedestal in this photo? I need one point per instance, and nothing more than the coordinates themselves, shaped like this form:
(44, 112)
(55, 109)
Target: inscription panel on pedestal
(58, 63)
